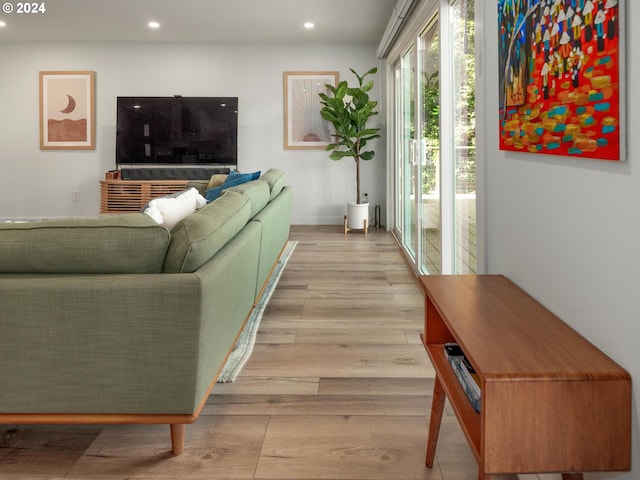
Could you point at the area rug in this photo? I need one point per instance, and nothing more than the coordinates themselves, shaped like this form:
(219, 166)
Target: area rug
(244, 346)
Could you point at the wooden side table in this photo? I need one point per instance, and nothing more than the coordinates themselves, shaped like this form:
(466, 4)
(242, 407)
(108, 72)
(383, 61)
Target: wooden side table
(551, 401)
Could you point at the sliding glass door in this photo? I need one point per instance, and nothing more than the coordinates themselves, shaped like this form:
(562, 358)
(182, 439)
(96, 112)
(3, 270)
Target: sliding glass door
(430, 201)
(464, 134)
(435, 143)
(407, 178)
(418, 152)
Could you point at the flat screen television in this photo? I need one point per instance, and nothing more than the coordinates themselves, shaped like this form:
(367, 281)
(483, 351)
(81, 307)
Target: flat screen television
(177, 131)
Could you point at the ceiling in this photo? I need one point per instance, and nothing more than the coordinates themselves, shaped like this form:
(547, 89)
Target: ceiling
(198, 21)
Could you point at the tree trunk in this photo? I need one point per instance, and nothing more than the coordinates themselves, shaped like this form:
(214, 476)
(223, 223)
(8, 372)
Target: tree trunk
(357, 179)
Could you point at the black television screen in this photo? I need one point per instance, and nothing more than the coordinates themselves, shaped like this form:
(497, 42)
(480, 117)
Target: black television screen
(177, 131)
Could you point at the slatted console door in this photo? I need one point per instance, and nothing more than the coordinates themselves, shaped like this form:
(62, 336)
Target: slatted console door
(551, 401)
(127, 196)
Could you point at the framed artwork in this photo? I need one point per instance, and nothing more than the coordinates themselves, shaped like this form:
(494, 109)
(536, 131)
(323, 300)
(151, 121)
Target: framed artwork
(67, 110)
(304, 128)
(561, 77)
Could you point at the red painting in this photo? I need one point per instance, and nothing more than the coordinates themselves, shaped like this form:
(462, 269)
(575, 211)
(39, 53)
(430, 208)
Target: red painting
(560, 77)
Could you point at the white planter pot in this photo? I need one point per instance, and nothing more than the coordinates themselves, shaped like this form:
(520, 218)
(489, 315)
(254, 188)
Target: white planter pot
(357, 213)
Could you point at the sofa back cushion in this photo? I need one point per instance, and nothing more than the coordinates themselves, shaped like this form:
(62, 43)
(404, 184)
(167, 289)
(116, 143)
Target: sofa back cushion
(257, 191)
(197, 238)
(130, 243)
(200, 185)
(275, 178)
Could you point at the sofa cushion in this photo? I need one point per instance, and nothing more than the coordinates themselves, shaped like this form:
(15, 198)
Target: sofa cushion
(275, 178)
(233, 179)
(202, 234)
(216, 180)
(130, 243)
(258, 193)
(200, 185)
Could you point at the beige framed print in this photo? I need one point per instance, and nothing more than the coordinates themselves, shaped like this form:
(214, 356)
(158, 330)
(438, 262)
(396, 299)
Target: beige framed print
(304, 128)
(67, 110)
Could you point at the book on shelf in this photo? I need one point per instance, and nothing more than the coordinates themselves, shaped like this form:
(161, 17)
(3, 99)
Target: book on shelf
(467, 364)
(453, 350)
(465, 373)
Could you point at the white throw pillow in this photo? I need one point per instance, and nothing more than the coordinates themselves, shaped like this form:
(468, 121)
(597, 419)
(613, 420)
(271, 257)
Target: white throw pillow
(154, 213)
(200, 200)
(168, 211)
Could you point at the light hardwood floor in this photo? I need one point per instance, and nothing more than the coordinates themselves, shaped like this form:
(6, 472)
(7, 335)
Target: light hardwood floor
(338, 387)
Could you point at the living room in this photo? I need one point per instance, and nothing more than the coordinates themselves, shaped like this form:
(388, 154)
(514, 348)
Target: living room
(251, 71)
(564, 229)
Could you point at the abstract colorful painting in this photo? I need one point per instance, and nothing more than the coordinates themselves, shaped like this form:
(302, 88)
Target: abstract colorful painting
(560, 74)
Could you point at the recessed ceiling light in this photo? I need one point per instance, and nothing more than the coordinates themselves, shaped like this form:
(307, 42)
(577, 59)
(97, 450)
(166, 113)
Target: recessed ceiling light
(309, 25)
(153, 24)
(2, 24)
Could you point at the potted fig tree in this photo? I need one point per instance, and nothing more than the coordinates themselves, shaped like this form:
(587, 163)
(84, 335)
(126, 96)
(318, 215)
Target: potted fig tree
(349, 109)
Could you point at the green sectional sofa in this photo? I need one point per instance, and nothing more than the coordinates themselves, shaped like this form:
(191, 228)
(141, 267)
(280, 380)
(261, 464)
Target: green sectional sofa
(119, 320)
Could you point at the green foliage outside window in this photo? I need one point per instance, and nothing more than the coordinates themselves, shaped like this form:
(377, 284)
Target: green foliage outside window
(464, 106)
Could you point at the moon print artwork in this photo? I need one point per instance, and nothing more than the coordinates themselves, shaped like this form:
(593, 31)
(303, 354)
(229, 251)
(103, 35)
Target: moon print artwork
(67, 110)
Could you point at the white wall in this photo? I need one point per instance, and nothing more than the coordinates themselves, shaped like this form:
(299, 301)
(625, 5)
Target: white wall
(567, 230)
(35, 183)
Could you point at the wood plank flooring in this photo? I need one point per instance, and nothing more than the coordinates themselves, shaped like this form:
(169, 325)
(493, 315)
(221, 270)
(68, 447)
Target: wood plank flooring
(338, 387)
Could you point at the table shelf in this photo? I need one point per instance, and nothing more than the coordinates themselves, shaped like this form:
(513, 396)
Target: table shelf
(469, 418)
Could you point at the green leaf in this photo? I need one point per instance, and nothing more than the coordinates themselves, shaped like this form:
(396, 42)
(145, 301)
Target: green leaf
(338, 155)
(328, 116)
(373, 132)
(341, 90)
(368, 86)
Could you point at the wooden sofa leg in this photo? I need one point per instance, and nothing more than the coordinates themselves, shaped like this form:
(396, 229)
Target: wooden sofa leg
(177, 438)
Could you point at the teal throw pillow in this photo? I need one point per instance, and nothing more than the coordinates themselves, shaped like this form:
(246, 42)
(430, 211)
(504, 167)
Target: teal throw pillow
(245, 177)
(234, 178)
